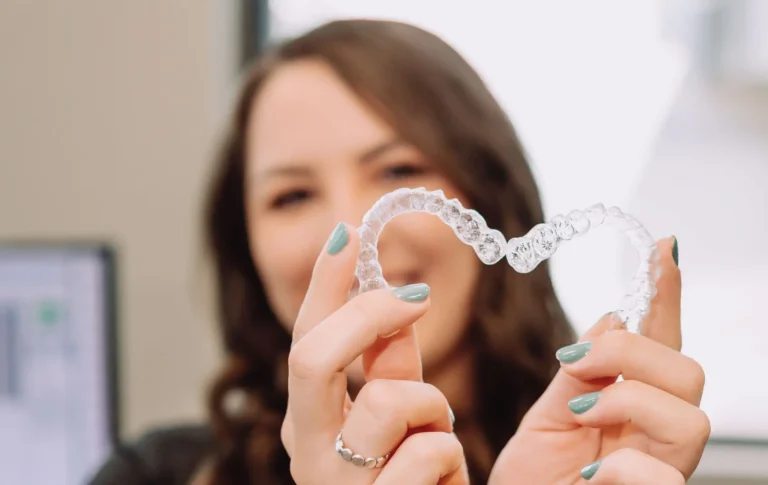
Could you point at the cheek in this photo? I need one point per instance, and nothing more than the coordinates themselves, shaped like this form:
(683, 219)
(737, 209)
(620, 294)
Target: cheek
(457, 269)
(284, 255)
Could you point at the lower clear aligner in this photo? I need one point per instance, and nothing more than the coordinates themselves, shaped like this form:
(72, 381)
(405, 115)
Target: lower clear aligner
(523, 253)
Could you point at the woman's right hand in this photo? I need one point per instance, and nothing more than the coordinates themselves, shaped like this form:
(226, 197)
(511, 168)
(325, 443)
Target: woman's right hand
(395, 409)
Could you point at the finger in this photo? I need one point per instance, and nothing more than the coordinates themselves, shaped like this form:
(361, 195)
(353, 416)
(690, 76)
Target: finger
(565, 386)
(328, 290)
(332, 277)
(631, 467)
(661, 416)
(663, 322)
(636, 358)
(397, 357)
(286, 433)
(316, 379)
(608, 322)
(426, 459)
(386, 410)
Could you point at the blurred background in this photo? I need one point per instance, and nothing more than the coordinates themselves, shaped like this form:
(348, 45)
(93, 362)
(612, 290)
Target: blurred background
(110, 113)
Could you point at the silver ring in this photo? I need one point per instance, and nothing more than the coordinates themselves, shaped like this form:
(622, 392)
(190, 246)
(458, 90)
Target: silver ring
(358, 460)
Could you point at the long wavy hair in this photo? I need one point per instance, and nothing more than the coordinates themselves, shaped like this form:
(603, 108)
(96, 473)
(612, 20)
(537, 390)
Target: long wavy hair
(433, 99)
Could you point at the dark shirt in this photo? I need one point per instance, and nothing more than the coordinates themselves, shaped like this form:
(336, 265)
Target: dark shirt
(168, 456)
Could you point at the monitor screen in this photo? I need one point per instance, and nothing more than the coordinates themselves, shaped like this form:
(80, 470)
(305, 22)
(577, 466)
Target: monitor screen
(57, 387)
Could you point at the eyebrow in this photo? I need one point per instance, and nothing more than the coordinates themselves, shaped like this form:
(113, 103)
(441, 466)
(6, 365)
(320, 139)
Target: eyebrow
(295, 170)
(379, 150)
(298, 170)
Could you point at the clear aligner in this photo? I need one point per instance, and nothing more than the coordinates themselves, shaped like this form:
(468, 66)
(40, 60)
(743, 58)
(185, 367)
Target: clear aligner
(524, 253)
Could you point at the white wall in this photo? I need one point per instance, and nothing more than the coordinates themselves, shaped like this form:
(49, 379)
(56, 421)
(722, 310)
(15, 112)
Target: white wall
(108, 112)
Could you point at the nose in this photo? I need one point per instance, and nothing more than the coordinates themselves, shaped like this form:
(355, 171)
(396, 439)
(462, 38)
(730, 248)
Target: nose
(350, 206)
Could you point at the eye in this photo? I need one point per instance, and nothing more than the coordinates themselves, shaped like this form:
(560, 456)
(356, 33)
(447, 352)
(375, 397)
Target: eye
(290, 198)
(402, 170)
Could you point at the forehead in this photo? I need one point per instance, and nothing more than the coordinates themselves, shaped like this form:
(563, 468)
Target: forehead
(305, 112)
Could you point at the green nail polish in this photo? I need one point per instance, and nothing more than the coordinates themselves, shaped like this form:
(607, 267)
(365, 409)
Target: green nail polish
(571, 353)
(453, 416)
(589, 471)
(339, 239)
(412, 293)
(675, 252)
(583, 403)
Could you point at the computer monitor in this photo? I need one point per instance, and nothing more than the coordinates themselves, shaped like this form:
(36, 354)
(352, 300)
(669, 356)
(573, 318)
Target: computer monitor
(58, 406)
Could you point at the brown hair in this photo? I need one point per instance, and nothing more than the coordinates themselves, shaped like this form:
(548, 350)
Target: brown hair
(437, 102)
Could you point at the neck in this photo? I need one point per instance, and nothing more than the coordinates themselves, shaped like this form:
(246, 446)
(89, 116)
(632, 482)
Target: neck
(455, 378)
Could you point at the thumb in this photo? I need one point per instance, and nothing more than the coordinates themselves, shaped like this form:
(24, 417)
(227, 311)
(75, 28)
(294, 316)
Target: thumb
(396, 357)
(663, 322)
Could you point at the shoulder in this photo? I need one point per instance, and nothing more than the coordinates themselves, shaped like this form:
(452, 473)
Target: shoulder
(162, 456)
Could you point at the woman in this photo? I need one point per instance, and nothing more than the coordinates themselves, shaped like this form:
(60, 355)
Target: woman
(325, 125)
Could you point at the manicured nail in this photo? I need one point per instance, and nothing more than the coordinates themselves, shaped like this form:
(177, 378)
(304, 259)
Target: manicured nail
(339, 239)
(453, 416)
(589, 471)
(571, 353)
(412, 293)
(615, 320)
(583, 403)
(675, 252)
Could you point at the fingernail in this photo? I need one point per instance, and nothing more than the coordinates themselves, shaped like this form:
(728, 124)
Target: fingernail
(589, 471)
(583, 403)
(412, 293)
(675, 252)
(571, 353)
(339, 239)
(616, 321)
(453, 416)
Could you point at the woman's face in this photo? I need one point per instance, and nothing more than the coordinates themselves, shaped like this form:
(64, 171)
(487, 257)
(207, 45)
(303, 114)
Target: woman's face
(318, 155)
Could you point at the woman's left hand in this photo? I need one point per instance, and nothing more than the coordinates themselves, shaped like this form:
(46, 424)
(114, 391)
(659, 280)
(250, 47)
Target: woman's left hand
(645, 429)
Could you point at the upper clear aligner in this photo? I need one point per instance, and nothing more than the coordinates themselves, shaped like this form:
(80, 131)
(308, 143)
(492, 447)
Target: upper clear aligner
(523, 253)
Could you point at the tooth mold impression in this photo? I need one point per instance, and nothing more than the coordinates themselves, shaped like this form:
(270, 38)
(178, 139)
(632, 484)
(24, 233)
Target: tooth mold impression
(522, 253)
